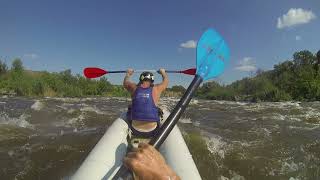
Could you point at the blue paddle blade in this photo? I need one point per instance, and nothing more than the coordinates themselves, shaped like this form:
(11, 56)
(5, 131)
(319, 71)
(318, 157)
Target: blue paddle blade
(212, 55)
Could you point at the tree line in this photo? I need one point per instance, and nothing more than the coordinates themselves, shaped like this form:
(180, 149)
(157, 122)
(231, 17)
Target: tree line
(294, 79)
(21, 82)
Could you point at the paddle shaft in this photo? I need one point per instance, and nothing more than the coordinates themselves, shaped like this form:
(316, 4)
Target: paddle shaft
(168, 125)
(175, 115)
(144, 70)
(95, 72)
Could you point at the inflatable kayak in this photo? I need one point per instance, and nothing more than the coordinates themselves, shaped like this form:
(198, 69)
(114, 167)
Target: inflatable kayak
(106, 157)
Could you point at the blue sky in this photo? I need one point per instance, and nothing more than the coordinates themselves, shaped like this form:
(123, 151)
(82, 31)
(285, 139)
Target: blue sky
(147, 34)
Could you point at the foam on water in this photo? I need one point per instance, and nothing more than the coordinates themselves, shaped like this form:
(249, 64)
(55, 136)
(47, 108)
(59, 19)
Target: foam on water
(63, 148)
(166, 113)
(196, 123)
(91, 109)
(37, 106)
(222, 102)
(62, 107)
(292, 178)
(185, 121)
(174, 99)
(194, 102)
(121, 99)
(243, 144)
(88, 99)
(241, 103)
(223, 178)
(67, 104)
(19, 122)
(253, 108)
(205, 108)
(165, 107)
(70, 111)
(11, 153)
(235, 176)
(259, 107)
(123, 109)
(294, 119)
(289, 167)
(266, 132)
(283, 105)
(312, 113)
(78, 120)
(304, 128)
(65, 99)
(75, 130)
(276, 116)
(215, 144)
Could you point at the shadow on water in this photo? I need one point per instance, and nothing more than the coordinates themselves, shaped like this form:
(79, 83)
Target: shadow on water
(120, 153)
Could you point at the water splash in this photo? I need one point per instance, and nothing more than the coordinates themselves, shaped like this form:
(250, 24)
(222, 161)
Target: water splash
(37, 106)
(18, 122)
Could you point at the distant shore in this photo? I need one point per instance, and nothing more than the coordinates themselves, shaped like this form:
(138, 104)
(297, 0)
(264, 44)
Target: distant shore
(295, 80)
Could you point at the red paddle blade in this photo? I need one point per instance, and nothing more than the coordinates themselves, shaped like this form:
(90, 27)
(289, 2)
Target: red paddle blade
(93, 72)
(191, 71)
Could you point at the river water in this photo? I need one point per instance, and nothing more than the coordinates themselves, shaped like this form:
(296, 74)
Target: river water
(48, 138)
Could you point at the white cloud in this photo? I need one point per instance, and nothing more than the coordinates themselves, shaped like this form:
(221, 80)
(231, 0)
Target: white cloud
(189, 44)
(31, 56)
(298, 38)
(295, 17)
(247, 64)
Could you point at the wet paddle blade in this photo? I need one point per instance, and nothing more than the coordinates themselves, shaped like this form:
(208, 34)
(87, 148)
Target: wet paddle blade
(93, 72)
(191, 71)
(212, 55)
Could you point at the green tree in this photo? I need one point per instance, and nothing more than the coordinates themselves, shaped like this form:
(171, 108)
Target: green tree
(317, 64)
(178, 89)
(103, 85)
(67, 77)
(38, 87)
(3, 67)
(318, 57)
(303, 58)
(17, 65)
(206, 88)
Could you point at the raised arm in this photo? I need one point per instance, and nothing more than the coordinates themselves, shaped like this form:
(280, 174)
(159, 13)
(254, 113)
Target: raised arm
(165, 81)
(130, 86)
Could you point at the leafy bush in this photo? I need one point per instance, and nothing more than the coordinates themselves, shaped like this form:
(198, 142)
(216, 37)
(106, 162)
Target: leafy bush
(298, 79)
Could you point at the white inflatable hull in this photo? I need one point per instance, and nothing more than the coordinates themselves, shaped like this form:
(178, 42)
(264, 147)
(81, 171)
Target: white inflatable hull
(106, 157)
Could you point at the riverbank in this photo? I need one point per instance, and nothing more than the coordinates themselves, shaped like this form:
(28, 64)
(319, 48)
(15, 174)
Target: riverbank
(292, 80)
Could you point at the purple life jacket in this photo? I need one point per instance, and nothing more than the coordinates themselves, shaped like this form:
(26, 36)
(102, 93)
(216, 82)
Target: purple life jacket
(143, 107)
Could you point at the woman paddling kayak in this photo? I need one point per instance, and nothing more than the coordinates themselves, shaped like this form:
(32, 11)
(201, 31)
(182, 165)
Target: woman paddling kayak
(143, 114)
